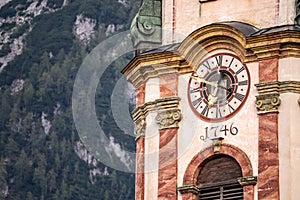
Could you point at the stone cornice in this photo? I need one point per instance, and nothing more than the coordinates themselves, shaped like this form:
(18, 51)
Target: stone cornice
(278, 87)
(168, 114)
(279, 42)
(289, 87)
(140, 69)
(209, 38)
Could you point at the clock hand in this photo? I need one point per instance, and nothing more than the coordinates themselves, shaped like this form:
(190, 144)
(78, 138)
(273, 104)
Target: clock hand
(201, 80)
(214, 84)
(212, 100)
(224, 88)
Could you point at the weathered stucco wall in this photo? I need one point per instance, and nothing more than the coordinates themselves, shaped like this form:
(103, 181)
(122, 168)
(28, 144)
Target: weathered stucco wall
(181, 17)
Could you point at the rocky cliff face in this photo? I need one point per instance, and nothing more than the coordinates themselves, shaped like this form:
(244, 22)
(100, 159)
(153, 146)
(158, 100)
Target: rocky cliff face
(16, 22)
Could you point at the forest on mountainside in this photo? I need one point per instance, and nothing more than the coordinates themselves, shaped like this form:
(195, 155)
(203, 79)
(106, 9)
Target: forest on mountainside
(39, 146)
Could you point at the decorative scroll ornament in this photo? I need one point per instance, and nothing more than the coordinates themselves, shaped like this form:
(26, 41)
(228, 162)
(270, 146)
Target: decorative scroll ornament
(268, 99)
(268, 103)
(247, 180)
(189, 189)
(146, 26)
(140, 128)
(168, 118)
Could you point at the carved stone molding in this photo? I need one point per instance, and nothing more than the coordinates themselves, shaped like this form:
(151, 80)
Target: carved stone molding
(289, 87)
(268, 100)
(247, 180)
(279, 42)
(278, 87)
(267, 103)
(188, 189)
(268, 88)
(168, 118)
(168, 114)
(139, 119)
(140, 128)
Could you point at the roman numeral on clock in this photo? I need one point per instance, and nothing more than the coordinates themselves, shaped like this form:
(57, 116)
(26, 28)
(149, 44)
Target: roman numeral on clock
(243, 82)
(231, 109)
(231, 62)
(218, 113)
(206, 65)
(205, 111)
(240, 70)
(196, 103)
(219, 60)
(198, 89)
(239, 96)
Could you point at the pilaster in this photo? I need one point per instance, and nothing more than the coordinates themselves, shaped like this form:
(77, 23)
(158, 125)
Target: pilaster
(267, 105)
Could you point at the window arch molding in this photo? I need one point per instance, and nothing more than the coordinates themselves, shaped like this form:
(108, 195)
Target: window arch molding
(189, 189)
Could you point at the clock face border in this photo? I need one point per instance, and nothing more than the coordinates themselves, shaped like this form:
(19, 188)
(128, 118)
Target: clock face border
(230, 74)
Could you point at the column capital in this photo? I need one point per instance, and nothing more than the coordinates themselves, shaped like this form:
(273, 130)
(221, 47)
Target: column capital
(168, 114)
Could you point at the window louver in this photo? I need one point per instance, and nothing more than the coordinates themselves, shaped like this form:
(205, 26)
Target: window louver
(227, 192)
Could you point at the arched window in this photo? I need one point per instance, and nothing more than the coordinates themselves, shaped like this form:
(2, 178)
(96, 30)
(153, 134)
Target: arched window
(217, 179)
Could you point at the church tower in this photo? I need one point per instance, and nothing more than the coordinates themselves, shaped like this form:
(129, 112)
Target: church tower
(217, 99)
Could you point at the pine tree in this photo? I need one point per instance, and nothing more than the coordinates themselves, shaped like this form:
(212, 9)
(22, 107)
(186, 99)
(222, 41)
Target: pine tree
(3, 179)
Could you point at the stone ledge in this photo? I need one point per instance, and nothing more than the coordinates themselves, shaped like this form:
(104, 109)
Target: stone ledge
(247, 180)
(188, 189)
(278, 87)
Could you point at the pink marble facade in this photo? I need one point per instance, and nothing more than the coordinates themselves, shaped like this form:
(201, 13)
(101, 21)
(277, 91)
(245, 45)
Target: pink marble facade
(140, 150)
(168, 85)
(268, 163)
(268, 155)
(140, 95)
(268, 70)
(167, 174)
(139, 177)
(189, 196)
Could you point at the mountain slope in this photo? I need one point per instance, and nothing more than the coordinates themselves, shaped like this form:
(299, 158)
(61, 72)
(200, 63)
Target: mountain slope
(43, 44)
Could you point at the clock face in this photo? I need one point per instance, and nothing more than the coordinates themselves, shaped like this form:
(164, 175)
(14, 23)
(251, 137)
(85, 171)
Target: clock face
(219, 87)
